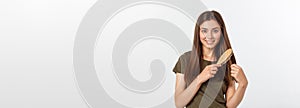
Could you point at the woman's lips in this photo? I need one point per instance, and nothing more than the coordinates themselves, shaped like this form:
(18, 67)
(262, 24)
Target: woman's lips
(210, 41)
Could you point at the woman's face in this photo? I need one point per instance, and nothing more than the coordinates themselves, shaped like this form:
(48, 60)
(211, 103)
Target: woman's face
(210, 33)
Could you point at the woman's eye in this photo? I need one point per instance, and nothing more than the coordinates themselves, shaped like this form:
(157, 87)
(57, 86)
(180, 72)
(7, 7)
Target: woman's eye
(215, 31)
(203, 31)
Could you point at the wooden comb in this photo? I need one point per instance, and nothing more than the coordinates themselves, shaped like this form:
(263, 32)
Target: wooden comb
(225, 57)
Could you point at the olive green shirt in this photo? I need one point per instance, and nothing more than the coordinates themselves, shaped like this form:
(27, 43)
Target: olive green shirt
(214, 96)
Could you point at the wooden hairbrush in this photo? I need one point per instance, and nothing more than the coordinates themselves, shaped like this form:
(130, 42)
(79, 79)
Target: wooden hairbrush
(225, 57)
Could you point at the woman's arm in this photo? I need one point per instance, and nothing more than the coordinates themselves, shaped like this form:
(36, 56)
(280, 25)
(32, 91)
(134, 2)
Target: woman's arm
(184, 95)
(235, 96)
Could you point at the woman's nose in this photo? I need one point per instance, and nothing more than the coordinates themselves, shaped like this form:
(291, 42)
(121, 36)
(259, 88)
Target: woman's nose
(209, 35)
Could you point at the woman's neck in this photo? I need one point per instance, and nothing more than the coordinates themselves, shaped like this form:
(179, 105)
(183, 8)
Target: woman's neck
(208, 54)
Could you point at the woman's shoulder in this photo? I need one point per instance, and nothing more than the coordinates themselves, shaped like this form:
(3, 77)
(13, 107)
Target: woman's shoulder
(186, 55)
(182, 62)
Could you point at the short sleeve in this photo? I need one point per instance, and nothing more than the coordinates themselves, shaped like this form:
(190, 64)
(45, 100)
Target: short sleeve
(181, 63)
(177, 68)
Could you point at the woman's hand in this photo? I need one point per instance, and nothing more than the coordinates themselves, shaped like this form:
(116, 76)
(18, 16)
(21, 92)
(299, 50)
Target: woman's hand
(208, 72)
(238, 74)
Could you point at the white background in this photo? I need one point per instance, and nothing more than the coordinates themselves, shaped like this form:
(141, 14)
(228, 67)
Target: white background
(265, 39)
(36, 44)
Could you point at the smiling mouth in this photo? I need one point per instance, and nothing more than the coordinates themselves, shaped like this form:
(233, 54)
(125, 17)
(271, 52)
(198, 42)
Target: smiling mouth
(210, 41)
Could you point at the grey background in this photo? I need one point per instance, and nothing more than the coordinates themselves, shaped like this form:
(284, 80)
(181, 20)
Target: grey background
(37, 37)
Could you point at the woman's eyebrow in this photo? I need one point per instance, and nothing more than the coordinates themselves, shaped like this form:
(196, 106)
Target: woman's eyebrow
(212, 28)
(216, 28)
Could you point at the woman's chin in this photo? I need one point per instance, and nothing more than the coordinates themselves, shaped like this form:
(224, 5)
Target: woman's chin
(210, 46)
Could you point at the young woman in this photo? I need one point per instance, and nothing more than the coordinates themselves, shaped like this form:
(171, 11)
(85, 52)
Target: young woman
(200, 82)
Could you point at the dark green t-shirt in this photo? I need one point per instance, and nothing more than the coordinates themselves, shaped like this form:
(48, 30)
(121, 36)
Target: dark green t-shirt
(211, 94)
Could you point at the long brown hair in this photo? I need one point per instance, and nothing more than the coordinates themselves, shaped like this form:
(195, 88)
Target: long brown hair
(193, 67)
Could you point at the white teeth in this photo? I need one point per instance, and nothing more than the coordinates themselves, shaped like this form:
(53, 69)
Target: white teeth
(210, 41)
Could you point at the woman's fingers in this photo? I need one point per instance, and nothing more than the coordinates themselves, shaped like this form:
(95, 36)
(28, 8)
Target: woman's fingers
(233, 72)
(214, 69)
(209, 71)
(213, 72)
(233, 75)
(215, 65)
(235, 66)
(238, 74)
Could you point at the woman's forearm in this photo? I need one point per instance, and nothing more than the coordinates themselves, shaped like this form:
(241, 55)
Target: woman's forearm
(237, 97)
(184, 97)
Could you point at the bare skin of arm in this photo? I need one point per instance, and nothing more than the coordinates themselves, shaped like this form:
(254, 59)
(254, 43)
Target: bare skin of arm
(184, 95)
(235, 96)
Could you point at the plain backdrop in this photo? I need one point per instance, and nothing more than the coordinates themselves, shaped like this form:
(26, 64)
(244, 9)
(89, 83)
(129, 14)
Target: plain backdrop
(36, 44)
